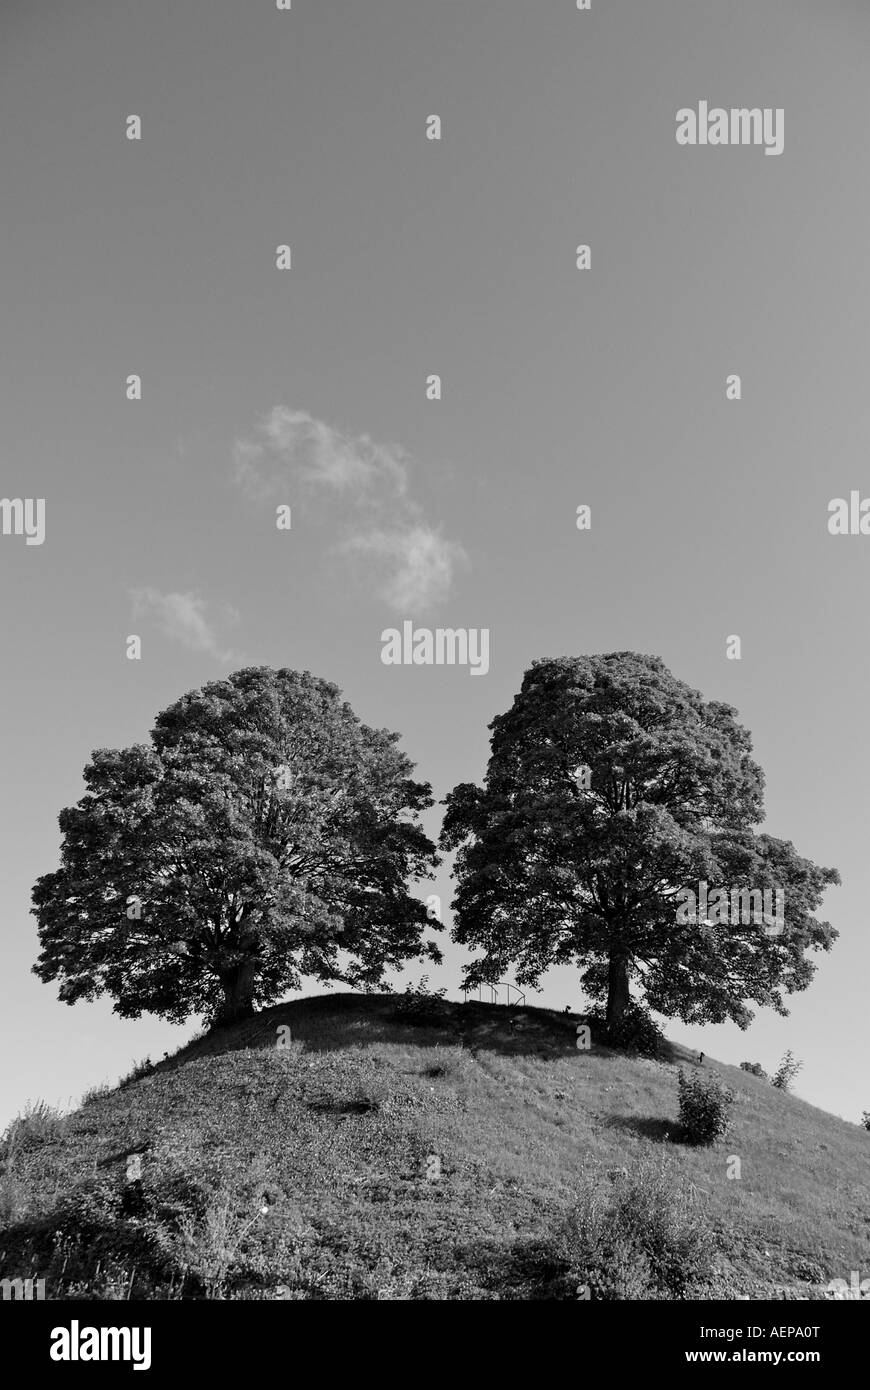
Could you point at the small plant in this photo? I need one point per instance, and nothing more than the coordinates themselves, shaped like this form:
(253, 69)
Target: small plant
(420, 1004)
(786, 1072)
(754, 1069)
(211, 1244)
(865, 1119)
(705, 1105)
(95, 1093)
(12, 1199)
(139, 1070)
(643, 1237)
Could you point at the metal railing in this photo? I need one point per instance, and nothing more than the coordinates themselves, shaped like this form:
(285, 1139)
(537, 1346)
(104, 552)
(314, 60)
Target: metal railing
(494, 989)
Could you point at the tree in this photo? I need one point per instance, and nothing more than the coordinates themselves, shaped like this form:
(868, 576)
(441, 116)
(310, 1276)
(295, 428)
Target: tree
(786, 1071)
(611, 787)
(263, 831)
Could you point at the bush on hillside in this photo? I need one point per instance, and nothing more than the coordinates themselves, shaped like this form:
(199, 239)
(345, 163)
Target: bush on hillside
(636, 1032)
(39, 1123)
(705, 1105)
(141, 1069)
(13, 1199)
(754, 1068)
(644, 1237)
(420, 1004)
(96, 1093)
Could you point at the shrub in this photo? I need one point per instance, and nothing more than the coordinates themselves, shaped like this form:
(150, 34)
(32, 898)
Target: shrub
(644, 1237)
(865, 1119)
(421, 1005)
(754, 1068)
(13, 1199)
(443, 1065)
(635, 1032)
(95, 1093)
(38, 1124)
(786, 1072)
(212, 1244)
(705, 1105)
(141, 1069)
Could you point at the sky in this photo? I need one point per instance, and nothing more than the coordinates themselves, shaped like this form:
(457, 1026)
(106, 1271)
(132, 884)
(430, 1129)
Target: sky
(307, 387)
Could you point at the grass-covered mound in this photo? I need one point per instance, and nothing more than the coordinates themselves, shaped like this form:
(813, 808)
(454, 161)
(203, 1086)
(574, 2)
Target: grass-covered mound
(471, 1153)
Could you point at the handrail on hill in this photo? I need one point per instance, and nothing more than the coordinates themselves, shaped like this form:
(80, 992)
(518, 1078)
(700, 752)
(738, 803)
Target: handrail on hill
(494, 989)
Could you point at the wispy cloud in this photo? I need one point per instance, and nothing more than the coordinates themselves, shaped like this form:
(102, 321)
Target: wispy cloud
(182, 617)
(415, 566)
(367, 487)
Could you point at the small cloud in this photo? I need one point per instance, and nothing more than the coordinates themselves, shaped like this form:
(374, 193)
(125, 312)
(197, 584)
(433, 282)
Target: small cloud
(416, 565)
(182, 617)
(367, 487)
(312, 453)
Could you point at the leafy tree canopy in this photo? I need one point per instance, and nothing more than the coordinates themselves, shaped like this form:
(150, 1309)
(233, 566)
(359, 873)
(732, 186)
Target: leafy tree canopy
(611, 787)
(264, 835)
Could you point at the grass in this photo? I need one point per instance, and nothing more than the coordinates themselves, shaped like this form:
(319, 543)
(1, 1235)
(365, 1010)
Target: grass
(299, 1171)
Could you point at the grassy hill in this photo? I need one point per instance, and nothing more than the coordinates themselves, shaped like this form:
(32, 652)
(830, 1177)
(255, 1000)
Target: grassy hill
(300, 1171)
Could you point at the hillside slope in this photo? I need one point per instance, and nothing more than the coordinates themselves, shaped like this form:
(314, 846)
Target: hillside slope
(369, 1157)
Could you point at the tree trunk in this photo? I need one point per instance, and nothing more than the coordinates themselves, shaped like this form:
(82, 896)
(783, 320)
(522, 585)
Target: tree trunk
(618, 994)
(238, 988)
